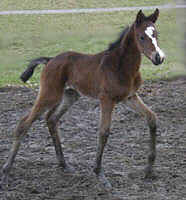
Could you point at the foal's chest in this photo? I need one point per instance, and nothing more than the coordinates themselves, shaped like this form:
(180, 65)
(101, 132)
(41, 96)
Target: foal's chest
(120, 91)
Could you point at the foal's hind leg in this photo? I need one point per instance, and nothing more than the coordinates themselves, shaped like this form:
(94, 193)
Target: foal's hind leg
(18, 135)
(42, 103)
(69, 97)
(137, 105)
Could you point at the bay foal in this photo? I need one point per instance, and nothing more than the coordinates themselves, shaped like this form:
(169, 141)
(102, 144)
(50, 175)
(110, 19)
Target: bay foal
(111, 76)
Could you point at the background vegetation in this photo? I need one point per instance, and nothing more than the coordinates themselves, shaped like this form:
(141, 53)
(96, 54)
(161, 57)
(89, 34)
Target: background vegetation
(24, 37)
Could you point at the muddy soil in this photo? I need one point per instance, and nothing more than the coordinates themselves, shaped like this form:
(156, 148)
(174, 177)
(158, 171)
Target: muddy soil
(37, 176)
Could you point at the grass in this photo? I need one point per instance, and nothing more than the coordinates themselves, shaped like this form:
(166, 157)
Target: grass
(24, 37)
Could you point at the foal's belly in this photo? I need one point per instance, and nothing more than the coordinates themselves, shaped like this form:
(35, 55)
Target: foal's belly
(93, 85)
(85, 89)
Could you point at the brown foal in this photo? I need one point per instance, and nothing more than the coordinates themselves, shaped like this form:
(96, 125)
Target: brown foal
(111, 76)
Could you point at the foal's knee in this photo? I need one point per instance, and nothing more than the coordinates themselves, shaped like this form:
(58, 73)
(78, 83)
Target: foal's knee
(51, 121)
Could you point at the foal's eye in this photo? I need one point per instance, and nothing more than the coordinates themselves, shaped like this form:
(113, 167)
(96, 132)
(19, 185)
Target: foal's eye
(142, 38)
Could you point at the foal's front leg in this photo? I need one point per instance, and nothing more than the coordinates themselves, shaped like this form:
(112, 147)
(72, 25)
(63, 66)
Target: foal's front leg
(136, 104)
(106, 112)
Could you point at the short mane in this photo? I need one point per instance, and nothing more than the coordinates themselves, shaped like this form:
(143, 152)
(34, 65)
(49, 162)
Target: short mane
(116, 44)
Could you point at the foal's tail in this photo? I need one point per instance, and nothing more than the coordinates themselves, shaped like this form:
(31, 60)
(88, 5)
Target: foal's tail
(31, 67)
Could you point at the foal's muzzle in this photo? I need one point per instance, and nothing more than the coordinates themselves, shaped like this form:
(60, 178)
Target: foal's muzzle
(157, 59)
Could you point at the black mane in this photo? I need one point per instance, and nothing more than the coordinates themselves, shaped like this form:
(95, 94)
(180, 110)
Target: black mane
(116, 44)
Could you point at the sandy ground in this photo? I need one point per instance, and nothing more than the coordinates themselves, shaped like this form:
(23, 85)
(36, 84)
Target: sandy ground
(36, 175)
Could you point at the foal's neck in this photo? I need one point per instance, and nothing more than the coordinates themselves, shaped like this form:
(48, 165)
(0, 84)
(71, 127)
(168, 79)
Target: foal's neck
(130, 55)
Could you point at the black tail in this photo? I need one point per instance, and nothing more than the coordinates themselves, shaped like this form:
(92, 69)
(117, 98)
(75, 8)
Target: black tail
(31, 67)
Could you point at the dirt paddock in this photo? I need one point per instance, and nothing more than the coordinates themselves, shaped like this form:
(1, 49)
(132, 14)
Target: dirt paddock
(36, 175)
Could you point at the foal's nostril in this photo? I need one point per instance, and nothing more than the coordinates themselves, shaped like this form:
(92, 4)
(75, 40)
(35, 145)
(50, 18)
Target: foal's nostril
(157, 58)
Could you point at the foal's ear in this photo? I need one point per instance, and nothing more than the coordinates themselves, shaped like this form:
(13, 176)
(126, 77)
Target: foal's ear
(140, 17)
(154, 16)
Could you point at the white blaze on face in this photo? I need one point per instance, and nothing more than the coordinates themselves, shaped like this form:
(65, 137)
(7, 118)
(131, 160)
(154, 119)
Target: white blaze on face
(149, 33)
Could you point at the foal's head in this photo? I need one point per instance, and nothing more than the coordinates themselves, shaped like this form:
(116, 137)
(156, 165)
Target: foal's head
(146, 36)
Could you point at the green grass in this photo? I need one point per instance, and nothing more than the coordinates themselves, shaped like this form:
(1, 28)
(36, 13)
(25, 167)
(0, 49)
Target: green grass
(24, 37)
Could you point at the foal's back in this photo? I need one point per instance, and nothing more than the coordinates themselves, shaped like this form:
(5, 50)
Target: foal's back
(80, 71)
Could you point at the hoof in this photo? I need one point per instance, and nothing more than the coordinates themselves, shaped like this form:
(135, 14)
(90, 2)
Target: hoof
(67, 169)
(103, 180)
(4, 182)
(149, 175)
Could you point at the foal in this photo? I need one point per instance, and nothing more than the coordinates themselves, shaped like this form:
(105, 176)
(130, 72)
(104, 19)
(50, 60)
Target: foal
(111, 76)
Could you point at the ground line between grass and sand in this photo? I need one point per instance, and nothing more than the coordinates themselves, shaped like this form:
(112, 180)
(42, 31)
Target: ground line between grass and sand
(88, 10)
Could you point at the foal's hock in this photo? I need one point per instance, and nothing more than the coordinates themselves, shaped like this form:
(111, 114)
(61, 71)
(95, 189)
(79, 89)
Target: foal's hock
(111, 76)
